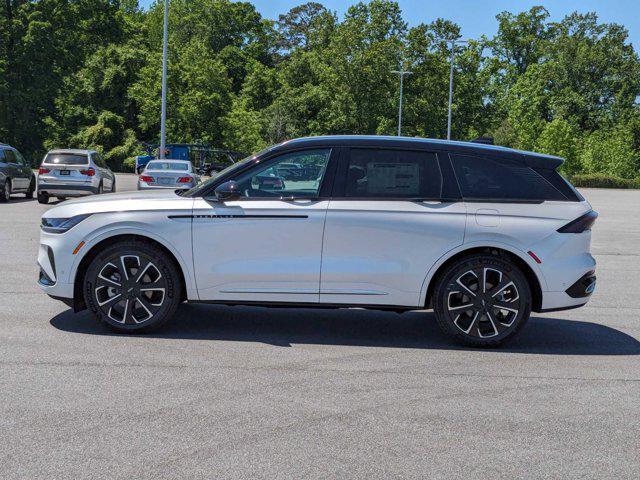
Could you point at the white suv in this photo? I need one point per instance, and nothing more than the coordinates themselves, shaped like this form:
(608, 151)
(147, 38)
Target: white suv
(483, 235)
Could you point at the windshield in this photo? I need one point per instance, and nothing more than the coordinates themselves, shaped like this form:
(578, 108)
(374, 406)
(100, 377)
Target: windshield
(66, 159)
(227, 171)
(177, 166)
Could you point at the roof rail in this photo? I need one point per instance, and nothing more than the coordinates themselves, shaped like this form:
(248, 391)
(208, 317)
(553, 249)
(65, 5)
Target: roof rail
(483, 140)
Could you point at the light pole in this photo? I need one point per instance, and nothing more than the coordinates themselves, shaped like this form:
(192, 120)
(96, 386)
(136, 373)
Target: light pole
(453, 43)
(402, 73)
(163, 115)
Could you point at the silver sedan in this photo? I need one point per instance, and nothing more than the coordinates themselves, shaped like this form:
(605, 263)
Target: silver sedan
(168, 174)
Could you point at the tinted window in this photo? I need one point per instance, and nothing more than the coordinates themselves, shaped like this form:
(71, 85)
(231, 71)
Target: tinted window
(176, 166)
(66, 159)
(98, 160)
(19, 158)
(295, 174)
(375, 173)
(10, 156)
(482, 178)
(2, 156)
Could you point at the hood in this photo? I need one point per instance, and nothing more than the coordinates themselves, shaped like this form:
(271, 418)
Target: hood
(121, 202)
(120, 196)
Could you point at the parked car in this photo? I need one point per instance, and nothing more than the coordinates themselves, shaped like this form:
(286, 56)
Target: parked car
(73, 173)
(483, 235)
(168, 174)
(16, 175)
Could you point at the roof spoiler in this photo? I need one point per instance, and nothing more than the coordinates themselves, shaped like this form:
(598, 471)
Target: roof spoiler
(483, 140)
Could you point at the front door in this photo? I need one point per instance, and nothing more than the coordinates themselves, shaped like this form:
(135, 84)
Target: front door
(265, 246)
(387, 225)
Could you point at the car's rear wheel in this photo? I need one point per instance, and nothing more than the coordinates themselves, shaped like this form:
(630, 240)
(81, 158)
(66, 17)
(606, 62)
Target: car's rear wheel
(482, 300)
(5, 194)
(132, 287)
(32, 188)
(43, 198)
(100, 189)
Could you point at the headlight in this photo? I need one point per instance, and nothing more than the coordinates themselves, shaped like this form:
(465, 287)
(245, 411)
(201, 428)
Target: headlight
(61, 225)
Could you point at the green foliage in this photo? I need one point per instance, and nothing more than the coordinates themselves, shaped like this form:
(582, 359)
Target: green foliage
(600, 180)
(87, 73)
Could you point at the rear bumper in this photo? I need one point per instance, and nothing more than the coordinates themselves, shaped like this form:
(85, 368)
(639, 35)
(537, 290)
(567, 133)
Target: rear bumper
(146, 186)
(54, 189)
(577, 295)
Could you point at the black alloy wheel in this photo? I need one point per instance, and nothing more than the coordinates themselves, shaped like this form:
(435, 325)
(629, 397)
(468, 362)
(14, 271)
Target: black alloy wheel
(482, 300)
(132, 287)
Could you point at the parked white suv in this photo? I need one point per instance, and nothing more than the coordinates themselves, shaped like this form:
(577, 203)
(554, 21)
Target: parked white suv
(73, 173)
(483, 235)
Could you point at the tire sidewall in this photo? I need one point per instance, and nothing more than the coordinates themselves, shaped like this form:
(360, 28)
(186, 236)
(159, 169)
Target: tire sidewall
(6, 191)
(167, 268)
(480, 261)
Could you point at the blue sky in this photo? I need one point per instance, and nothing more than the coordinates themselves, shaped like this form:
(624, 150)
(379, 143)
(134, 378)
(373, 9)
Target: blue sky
(478, 17)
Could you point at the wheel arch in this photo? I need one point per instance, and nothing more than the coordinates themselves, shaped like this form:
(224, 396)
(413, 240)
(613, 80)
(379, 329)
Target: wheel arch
(92, 252)
(535, 280)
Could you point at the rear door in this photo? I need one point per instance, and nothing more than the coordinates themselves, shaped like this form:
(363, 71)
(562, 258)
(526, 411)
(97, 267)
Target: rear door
(391, 217)
(265, 246)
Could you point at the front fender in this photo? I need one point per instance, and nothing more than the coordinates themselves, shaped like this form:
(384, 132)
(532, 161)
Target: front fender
(114, 230)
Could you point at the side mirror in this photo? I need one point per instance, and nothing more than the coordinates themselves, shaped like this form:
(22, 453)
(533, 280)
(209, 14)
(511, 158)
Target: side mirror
(228, 191)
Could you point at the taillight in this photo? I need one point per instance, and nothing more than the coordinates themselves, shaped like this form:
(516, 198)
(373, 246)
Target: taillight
(43, 170)
(146, 178)
(184, 180)
(580, 224)
(90, 172)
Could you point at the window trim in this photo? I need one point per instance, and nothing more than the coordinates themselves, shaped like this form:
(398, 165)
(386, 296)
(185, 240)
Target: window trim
(339, 190)
(270, 157)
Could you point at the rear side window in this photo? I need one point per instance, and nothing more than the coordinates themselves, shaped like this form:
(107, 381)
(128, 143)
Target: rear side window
(1, 156)
(376, 173)
(66, 159)
(483, 178)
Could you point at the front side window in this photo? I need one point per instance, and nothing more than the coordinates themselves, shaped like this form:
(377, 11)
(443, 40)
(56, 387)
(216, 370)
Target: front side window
(377, 173)
(20, 159)
(483, 178)
(10, 156)
(296, 174)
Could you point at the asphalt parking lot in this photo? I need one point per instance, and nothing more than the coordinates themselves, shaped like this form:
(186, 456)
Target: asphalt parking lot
(235, 392)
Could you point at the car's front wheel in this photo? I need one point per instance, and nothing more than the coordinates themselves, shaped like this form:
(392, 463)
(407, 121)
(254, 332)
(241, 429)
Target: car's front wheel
(5, 193)
(482, 300)
(132, 287)
(32, 188)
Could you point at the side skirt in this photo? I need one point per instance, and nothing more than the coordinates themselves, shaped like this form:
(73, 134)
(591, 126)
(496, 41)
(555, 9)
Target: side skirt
(329, 306)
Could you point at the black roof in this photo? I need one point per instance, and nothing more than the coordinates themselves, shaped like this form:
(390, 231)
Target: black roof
(530, 158)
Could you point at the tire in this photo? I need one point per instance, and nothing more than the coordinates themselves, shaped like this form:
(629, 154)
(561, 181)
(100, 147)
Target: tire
(32, 188)
(484, 283)
(43, 198)
(5, 194)
(113, 186)
(100, 189)
(135, 305)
